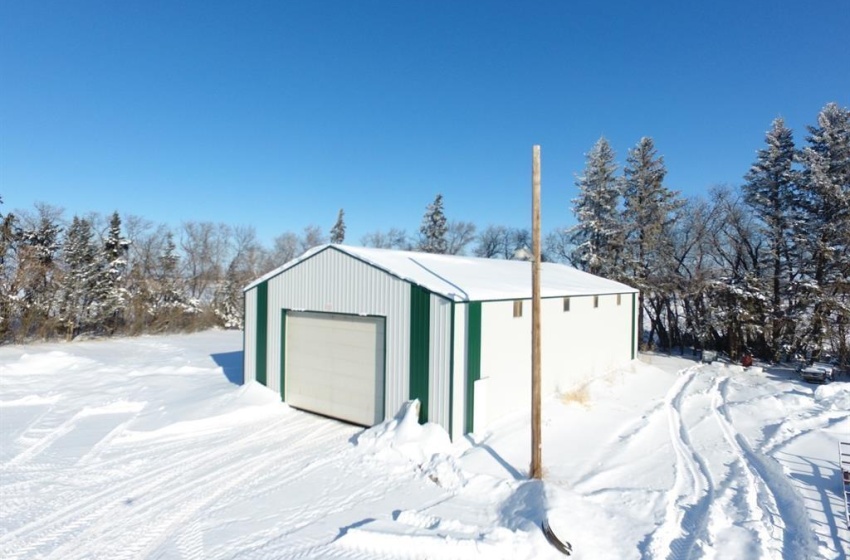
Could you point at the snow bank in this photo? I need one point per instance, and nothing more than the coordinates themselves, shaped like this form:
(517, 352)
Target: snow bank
(47, 363)
(380, 540)
(32, 400)
(405, 436)
(608, 534)
(427, 447)
(835, 396)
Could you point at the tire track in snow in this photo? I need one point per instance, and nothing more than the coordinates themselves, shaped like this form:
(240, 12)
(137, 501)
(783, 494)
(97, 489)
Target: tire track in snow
(296, 516)
(688, 500)
(77, 514)
(770, 496)
(175, 505)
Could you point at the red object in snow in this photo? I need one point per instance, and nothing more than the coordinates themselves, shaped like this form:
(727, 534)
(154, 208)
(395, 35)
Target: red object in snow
(747, 360)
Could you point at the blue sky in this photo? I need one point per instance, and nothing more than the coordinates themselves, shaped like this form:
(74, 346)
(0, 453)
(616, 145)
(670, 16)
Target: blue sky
(276, 114)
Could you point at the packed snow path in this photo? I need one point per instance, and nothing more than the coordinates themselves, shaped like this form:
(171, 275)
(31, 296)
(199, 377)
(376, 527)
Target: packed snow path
(144, 448)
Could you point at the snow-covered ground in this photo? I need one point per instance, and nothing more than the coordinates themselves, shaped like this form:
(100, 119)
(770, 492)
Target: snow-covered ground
(146, 448)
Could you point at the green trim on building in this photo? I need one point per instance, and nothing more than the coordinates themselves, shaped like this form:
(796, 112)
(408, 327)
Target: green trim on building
(634, 342)
(473, 360)
(420, 333)
(283, 355)
(244, 330)
(452, 370)
(262, 332)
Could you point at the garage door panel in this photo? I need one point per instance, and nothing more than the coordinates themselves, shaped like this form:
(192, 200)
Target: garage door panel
(335, 365)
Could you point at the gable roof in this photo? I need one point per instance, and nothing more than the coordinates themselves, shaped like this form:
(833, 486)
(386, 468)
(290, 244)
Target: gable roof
(469, 278)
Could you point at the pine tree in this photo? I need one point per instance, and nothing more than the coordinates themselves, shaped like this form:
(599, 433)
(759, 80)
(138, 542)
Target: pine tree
(228, 301)
(432, 232)
(648, 215)
(770, 192)
(598, 235)
(111, 297)
(7, 229)
(825, 226)
(338, 231)
(36, 274)
(80, 255)
(170, 304)
(169, 293)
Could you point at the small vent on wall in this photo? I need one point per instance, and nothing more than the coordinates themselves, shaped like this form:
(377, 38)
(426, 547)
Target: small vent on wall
(518, 308)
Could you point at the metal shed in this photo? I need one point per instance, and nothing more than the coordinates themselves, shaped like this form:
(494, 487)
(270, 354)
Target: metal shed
(353, 333)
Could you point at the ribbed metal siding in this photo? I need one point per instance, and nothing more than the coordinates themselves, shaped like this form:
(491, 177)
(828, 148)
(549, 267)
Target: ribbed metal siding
(334, 282)
(250, 335)
(459, 373)
(439, 360)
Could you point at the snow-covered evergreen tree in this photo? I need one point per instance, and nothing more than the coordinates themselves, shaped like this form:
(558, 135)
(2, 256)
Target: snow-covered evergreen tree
(598, 235)
(228, 300)
(648, 213)
(338, 231)
(771, 193)
(110, 295)
(432, 232)
(36, 275)
(7, 228)
(170, 293)
(81, 274)
(825, 227)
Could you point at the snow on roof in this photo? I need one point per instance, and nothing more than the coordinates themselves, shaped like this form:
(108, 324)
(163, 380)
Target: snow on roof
(470, 278)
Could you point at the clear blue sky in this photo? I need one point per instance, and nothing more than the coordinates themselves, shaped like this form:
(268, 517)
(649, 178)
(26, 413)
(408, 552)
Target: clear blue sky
(278, 113)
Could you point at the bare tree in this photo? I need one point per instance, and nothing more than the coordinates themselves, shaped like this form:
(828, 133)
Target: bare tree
(492, 242)
(312, 237)
(204, 246)
(558, 246)
(459, 235)
(284, 248)
(394, 238)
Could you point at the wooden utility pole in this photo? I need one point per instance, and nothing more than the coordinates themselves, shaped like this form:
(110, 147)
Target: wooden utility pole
(536, 444)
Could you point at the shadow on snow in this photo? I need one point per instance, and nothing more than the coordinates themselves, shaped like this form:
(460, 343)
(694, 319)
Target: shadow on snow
(231, 364)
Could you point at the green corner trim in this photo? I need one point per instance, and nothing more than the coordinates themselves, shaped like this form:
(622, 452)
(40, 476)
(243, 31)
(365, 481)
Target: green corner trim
(244, 330)
(262, 331)
(473, 360)
(420, 331)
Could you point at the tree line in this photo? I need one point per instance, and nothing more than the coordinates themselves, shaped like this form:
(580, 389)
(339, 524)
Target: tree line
(762, 268)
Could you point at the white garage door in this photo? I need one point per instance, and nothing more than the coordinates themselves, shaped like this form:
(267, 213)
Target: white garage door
(335, 365)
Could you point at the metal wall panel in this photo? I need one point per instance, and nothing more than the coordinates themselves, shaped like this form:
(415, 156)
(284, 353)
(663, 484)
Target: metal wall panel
(459, 373)
(578, 345)
(249, 356)
(439, 387)
(332, 281)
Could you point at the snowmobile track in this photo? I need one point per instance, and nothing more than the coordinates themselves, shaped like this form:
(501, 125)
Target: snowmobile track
(688, 499)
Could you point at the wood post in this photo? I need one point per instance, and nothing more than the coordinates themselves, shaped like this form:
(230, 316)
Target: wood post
(536, 443)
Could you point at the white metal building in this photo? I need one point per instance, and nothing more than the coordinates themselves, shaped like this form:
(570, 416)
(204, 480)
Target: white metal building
(352, 333)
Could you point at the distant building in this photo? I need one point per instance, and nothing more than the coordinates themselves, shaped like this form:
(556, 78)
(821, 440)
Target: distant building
(352, 333)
